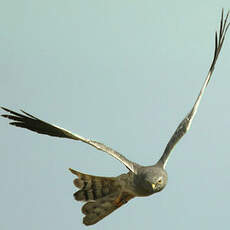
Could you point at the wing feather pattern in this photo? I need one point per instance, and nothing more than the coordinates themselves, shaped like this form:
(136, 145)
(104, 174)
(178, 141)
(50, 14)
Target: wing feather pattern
(185, 124)
(34, 124)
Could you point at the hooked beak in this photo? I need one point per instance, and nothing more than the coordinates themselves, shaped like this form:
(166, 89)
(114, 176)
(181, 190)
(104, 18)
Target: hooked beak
(153, 186)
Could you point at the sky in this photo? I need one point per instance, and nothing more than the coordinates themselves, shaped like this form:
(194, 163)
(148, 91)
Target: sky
(124, 73)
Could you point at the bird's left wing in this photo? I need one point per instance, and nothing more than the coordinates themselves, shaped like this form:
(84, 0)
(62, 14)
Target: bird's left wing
(186, 123)
(32, 123)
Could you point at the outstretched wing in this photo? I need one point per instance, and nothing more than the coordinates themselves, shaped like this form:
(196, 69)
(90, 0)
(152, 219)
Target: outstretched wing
(186, 123)
(32, 123)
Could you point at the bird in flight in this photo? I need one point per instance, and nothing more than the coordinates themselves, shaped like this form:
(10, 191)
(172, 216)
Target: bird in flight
(103, 195)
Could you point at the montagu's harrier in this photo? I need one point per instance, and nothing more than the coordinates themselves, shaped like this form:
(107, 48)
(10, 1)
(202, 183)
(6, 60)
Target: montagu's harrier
(103, 195)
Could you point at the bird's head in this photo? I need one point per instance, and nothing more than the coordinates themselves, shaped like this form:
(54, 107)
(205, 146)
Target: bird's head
(151, 179)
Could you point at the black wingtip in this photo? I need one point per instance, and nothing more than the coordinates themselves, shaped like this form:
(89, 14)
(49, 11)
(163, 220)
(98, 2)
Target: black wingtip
(29, 115)
(5, 115)
(7, 110)
(221, 23)
(13, 123)
(219, 37)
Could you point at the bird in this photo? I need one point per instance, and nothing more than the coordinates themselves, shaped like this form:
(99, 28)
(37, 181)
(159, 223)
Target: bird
(102, 195)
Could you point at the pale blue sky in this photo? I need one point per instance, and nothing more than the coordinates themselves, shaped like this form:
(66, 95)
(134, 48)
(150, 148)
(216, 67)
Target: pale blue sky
(124, 73)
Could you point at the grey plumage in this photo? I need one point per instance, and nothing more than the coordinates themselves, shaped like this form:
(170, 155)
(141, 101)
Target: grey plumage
(103, 195)
(186, 122)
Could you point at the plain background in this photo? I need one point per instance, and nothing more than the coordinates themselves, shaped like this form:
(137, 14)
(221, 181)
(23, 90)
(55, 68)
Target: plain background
(124, 73)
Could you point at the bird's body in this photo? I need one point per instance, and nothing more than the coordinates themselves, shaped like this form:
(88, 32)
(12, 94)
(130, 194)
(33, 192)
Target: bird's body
(103, 195)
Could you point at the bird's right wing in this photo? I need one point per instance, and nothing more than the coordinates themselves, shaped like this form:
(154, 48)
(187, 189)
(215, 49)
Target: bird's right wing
(186, 122)
(32, 123)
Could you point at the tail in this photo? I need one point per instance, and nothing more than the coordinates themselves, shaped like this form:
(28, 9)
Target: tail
(93, 187)
(102, 194)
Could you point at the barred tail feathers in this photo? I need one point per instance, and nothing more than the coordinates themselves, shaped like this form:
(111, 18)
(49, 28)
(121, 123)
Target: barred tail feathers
(93, 187)
(102, 195)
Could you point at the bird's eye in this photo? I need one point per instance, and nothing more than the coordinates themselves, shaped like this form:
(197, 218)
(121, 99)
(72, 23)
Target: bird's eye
(159, 181)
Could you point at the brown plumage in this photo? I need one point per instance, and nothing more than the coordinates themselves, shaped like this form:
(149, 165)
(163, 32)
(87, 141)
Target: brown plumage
(102, 195)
